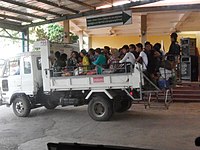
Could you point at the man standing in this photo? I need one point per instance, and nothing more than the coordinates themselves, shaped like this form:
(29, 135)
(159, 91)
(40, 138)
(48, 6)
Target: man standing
(174, 49)
(174, 54)
(143, 59)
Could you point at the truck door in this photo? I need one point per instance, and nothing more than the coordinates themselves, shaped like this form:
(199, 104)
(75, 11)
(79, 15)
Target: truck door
(11, 81)
(27, 75)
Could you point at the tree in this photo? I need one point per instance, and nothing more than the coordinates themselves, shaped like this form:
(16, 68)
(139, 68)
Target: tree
(52, 32)
(55, 33)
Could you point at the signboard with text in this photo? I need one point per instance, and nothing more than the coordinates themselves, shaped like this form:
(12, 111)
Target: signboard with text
(107, 20)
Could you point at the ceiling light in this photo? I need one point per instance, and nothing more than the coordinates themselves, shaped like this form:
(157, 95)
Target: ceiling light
(104, 6)
(121, 3)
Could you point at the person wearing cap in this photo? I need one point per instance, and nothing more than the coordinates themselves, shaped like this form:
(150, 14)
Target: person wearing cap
(85, 61)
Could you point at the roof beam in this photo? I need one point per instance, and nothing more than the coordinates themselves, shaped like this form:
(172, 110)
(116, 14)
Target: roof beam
(83, 4)
(77, 28)
(107, 1)
(166, 8)
(31, 7)
(182, 20)
(93, 12)
(10, 25)
(21, 13)
(15, 18)
(58, 6)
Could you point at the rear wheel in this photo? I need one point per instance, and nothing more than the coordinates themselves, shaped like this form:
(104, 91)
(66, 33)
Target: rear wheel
(100, 108)
(21, 106)
(122, 105)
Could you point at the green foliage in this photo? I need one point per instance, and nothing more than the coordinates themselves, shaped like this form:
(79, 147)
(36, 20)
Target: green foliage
(41, 34)
(55, 33)
(73, 38)
(52, 32)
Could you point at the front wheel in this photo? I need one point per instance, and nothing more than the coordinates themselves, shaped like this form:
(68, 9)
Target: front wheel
(21, 106)
(100, 108)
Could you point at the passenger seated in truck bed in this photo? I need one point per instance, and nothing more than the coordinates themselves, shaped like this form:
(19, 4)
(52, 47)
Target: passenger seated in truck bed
(72, 61)
(59, 64)
(128, 58)
(85, 61)
(101, 60)
(113, 61)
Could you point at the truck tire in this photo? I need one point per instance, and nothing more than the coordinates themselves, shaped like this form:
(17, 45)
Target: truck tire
(50, 105)
(100, 108)
(122, 105)
(21, 106)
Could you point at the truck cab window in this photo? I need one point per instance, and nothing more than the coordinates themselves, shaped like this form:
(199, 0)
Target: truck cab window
(27, 65)
(14, 67)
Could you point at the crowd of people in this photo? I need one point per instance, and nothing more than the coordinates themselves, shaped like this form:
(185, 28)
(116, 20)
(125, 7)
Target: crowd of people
(96, 60)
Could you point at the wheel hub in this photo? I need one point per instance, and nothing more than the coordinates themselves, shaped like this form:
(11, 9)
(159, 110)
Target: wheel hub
(99, 109)
(19, 107)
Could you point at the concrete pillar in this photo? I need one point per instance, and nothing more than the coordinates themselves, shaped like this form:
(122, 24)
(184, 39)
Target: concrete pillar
(23, 42)
(66, 30)
(143, 29)
(27, 39)
(80, 35)
(90, 42)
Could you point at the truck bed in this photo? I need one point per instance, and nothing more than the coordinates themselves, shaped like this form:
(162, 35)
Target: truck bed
(104, 81)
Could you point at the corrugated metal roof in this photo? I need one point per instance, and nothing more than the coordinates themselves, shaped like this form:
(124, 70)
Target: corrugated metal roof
(39, 10)
(26, 13)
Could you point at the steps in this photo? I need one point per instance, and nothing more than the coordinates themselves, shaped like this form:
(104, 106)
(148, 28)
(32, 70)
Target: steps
(184, 92)
(187, 92)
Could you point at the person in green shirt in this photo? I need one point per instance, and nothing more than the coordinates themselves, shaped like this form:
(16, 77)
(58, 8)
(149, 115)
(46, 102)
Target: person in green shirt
(101, 60)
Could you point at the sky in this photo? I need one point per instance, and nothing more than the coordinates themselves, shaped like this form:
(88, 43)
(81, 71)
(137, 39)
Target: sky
(8, 48)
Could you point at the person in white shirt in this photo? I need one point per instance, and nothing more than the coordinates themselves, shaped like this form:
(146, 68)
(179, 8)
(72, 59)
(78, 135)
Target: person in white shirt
(143, 59)
(128, 58)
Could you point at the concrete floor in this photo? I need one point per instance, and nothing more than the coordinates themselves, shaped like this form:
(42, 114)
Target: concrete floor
(173, 129)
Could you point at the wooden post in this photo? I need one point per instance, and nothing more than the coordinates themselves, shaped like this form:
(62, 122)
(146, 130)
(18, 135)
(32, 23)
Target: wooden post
(143, 28)
(66, 30)
(80, 39)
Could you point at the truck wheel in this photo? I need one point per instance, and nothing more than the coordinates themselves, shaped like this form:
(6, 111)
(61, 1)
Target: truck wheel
(21, 107)
(50, 105)
(122, 105)
(100, 108)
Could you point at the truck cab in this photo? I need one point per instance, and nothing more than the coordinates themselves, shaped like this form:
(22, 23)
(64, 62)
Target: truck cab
(20, 76)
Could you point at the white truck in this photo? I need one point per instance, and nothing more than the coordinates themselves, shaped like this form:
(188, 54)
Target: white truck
(26, 83)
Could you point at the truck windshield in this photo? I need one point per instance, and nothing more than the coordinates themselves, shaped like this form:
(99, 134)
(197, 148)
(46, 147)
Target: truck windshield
(2, 66)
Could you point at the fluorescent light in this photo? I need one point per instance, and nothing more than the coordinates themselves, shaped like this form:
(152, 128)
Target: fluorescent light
(115, 4)
(120, 3)
(104, 6)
